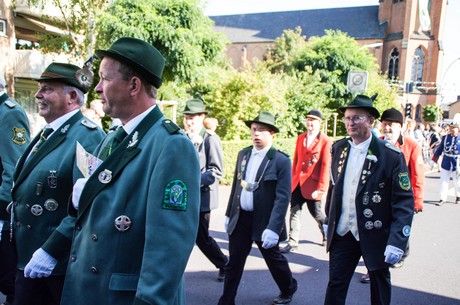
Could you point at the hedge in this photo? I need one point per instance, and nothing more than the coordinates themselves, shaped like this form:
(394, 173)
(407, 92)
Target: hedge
(231, 149)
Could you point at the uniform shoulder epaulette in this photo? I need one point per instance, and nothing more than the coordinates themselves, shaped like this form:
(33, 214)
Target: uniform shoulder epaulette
(392, 147)
(89, 124)
(284, 153)
(10, 104)
(170, 126)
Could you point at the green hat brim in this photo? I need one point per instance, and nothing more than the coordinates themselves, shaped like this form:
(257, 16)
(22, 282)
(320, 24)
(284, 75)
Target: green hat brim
(273, 127)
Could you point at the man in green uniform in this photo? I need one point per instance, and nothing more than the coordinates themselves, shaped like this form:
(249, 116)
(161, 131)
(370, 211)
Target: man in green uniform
(43, 183)
(14, 135)
(137, 214)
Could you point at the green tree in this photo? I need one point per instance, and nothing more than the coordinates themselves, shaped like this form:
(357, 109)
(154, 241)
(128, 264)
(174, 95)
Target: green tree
(177, 28)
(77, 20)
(431, 113)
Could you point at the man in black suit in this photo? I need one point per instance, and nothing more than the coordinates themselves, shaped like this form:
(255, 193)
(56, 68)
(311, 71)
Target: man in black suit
(369, 206)
(209, 149)
(256, 211)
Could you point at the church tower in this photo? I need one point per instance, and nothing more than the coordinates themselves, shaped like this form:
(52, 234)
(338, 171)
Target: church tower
(413, 49)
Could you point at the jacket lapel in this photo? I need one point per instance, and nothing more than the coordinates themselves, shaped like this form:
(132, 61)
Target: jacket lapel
(50, 144)
(113, 165)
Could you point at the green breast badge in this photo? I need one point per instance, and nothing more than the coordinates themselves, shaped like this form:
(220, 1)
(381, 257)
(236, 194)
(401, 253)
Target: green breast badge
(175, 197)
(404, 181)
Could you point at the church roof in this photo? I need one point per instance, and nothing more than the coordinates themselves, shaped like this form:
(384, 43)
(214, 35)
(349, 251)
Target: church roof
(359, 22)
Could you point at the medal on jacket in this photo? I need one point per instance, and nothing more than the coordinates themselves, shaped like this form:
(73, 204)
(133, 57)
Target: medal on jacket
(52, 179)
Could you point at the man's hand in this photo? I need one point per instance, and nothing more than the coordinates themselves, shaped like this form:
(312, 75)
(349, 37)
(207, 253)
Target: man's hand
(393, 255)
(269, 239)
(77, 189)
(40, 265)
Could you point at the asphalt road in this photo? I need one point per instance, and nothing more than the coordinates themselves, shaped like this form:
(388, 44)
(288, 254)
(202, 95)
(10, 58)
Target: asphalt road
(430, 276)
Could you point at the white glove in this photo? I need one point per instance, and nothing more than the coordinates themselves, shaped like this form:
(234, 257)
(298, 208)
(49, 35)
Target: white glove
(315, 194)
(40, 265)
(227, 220)
(393, 254)
(269, 239)
(77, 189)
(325, 229)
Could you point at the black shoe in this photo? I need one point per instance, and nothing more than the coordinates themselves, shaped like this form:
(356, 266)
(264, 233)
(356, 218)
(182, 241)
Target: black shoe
(324, 243)
(288, 248)
(285, 298)
(365, 279)
(221, 275)
(457, 200)
(439, 203)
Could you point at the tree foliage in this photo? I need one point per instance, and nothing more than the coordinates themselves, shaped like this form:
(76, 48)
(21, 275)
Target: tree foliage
(177, 28)
(431, 113)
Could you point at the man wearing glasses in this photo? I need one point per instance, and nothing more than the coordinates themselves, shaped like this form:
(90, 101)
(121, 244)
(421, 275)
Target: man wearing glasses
(257, 207)
(370, 206)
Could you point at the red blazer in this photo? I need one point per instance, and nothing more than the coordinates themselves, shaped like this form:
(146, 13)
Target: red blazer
(311, 165)
(412, 152)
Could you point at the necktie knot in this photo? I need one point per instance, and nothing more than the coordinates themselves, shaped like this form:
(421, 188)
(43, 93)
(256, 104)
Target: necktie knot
(43, 136)
(117, 137)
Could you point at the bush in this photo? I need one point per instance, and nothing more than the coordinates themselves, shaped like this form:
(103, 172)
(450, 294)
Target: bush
(231, 149)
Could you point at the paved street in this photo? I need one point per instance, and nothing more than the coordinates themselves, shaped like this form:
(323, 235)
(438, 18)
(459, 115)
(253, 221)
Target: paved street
(430, 275)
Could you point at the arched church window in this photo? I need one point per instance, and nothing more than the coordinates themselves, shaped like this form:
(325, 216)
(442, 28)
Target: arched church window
(418, 61)
(393, 64)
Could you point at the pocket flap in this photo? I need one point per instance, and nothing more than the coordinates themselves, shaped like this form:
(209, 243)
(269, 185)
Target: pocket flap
(123, 282)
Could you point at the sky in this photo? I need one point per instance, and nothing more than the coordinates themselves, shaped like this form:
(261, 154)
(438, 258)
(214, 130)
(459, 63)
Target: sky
(451, 43)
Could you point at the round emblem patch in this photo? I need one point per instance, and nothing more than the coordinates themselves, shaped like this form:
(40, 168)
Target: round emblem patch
(406, 230)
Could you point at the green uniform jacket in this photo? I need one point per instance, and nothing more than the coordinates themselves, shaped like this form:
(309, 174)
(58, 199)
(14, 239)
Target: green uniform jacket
(42, 187)
(14, 137)
(137, 221)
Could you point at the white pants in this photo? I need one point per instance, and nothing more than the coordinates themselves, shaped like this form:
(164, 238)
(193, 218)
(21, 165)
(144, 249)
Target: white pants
(445, 177)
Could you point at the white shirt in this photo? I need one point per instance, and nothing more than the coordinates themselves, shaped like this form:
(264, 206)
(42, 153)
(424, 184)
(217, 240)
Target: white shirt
(311, 138)
(348, 219)
(247, 198)
(132, 124)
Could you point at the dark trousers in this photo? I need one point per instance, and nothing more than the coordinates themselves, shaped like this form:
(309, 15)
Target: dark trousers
(344, 255)
(207, 244)
(38, 291)
(314, 207)
(240, 244)
(8, 265)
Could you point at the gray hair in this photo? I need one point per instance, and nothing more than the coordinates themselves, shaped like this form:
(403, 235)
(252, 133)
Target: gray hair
(80, 94)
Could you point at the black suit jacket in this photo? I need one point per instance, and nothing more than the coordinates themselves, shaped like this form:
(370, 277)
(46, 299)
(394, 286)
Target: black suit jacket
(384, 200)
(271, 199)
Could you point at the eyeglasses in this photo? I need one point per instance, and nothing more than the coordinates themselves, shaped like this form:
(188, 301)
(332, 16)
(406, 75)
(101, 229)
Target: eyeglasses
(357, 119)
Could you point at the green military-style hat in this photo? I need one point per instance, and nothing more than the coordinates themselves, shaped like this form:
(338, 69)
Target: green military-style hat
(362, 102)
(141, 56)
(69, 74)
(264, 117)
(194, 106)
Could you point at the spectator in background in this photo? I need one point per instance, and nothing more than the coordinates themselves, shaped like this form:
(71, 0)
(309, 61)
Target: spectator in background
(310, 177)
(210, 124)
(376, 130)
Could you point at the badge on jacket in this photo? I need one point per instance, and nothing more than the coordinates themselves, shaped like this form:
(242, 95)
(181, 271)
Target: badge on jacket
(175, 196)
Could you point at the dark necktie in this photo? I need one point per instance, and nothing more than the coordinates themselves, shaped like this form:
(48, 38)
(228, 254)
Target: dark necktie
(112, 143)
(43, 136)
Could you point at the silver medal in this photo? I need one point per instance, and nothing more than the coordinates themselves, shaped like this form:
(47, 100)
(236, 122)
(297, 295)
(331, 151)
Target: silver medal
(369, 225)
(366, 199)
(36, 210)
(377, 224)
(368, 213)
(122, 223)
(105, 176)
(376, 198)
(51, 205)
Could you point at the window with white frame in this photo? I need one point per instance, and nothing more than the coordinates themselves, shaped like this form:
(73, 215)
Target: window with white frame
(3, 27)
